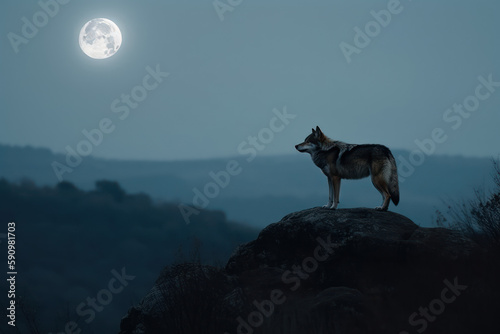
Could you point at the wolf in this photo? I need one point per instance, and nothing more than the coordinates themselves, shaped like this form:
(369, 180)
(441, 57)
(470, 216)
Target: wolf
(339, 160)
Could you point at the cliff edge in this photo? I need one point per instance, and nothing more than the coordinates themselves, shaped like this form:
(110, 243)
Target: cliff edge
(331, 271)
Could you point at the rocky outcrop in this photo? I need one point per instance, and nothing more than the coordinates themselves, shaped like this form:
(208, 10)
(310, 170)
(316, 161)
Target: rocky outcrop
(323, 271)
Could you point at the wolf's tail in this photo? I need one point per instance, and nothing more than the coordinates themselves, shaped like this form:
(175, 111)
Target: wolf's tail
(393, 180)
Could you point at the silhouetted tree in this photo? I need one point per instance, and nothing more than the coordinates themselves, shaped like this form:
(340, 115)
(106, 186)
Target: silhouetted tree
(112, 188)
(66, 186)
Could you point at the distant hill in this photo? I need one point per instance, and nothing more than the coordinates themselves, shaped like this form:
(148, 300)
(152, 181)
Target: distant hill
(266, 188)
(71, 242)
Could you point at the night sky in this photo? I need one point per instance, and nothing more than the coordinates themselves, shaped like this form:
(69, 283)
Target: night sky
(230, 66)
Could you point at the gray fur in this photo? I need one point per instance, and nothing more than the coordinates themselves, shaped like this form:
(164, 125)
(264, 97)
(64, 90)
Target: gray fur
(339, 160)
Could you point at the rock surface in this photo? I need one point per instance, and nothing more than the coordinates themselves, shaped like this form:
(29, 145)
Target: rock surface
(323, 271)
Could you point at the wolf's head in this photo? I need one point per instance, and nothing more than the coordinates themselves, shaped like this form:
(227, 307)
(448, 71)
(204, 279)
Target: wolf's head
(313, 142)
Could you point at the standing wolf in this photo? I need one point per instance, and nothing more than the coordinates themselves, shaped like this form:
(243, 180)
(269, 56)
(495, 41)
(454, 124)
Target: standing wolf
(339, 160)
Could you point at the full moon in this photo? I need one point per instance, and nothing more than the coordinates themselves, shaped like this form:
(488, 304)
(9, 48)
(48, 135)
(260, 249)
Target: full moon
(100, 38)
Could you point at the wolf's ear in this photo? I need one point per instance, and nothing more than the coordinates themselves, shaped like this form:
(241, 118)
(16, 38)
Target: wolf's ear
(313, 131)
(319, 134)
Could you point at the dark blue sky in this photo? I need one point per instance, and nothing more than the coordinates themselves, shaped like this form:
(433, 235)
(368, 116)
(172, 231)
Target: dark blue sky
(226, 76)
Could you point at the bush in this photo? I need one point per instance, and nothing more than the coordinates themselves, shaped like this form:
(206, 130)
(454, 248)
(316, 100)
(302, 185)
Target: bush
(478, 218)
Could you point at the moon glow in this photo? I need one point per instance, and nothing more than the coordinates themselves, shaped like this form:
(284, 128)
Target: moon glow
(100, 38)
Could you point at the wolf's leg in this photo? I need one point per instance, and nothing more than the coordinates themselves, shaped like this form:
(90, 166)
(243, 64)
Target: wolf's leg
(336, 191)
(379, 183)
(330, 193)
(385, 203)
